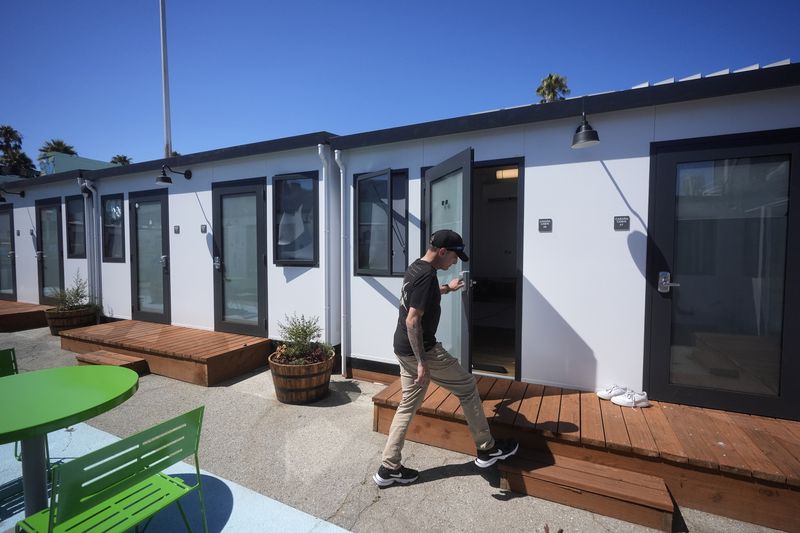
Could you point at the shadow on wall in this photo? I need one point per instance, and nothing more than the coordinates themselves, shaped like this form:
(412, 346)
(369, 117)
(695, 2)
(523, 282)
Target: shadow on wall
(639, 246)
(219, 506)
(393, 299)
(292, 273)
(558, 354)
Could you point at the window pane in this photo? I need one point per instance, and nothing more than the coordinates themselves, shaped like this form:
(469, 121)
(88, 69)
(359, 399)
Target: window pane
(399, 223)
(730, 258)
(149, 250)
(373, 223)
(113, 243)
(76, 233)
(294, 219)
(240, 257)
(51, 263)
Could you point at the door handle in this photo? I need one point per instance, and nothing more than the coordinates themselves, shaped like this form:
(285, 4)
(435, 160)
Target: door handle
(39, 255)
(11, 254)
(164, 261)
(217, 263)
(665, 283)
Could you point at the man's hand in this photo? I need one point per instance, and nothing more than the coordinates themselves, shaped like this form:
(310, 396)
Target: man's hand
(456, 284)
(423, 376)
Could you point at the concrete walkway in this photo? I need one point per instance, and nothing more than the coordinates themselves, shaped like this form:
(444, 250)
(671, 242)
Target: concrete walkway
(319, 459)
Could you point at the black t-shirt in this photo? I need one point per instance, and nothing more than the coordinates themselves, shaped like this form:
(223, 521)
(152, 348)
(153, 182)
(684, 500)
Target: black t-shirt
(421, 291)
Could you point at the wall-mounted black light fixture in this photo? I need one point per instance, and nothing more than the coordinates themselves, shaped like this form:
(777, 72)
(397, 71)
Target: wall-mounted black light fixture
(585, 134)
(163, 179)
(21, 194)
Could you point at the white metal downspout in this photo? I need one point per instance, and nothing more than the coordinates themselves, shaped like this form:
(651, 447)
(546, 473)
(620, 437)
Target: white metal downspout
(89, 236)
(324, 155)
(345, 262)
(98, 277)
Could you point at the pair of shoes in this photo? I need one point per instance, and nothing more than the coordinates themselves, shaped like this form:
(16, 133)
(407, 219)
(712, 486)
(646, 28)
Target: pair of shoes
(502, 449)
(386, 476)
(631, 399)
(610, 392)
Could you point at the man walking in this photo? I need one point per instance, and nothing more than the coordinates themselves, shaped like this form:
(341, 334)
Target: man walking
(422, 359)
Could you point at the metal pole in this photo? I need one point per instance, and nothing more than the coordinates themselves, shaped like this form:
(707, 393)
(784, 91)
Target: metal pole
(165, 79)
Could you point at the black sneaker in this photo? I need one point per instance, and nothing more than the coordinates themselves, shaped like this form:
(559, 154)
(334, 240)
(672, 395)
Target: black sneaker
(386, 477)
(502, 449)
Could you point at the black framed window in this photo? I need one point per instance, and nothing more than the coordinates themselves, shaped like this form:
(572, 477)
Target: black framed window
(113, 228)
(296, 219)
(381, 223)
(76, 227)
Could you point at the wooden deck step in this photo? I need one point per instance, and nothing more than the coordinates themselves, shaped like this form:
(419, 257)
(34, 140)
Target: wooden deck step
(105, 357)
(622, 494)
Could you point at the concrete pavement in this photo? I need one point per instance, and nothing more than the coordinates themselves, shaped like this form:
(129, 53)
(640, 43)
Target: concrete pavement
(319, 458)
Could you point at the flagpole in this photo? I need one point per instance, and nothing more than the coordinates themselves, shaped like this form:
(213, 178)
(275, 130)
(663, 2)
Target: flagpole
(165, 79)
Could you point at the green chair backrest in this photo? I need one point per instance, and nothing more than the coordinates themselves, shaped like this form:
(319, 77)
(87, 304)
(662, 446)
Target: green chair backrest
(8, 362)
(82, 483)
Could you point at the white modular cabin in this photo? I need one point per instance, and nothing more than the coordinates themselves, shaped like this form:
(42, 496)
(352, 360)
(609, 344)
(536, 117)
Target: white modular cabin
(666, 258)
(235, 244)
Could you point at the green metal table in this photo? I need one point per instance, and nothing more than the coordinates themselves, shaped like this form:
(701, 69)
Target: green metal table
(32, 404)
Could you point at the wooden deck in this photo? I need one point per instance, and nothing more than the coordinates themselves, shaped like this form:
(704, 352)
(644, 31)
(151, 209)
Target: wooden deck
(16, 316)
(193, 355)
(744, 467)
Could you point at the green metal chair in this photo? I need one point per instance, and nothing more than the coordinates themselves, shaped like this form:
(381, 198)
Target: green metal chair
(116, 488)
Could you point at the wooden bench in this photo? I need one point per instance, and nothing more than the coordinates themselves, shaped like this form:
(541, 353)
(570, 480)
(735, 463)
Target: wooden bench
(122, 485)
(105, 357)
(622, 494)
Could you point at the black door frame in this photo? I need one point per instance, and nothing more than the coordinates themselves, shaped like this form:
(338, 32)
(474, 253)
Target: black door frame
(663, 158)
(13, 254)
(41, 204)
(162, 196)
(256, 186)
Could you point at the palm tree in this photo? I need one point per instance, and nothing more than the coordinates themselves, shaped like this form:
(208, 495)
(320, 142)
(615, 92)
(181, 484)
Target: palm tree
(120, 159)
(12, 159)
(56, 145)
(553, 87)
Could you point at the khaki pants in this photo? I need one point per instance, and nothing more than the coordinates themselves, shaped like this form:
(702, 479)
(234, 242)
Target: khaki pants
(446, 372)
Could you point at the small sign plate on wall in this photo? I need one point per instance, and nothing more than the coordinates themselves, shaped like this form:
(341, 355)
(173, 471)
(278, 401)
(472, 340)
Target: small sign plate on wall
(545, 225)
(622, 223)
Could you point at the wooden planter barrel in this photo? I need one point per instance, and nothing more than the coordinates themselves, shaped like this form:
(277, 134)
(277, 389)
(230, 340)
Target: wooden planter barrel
(301, 383)
(76, 318)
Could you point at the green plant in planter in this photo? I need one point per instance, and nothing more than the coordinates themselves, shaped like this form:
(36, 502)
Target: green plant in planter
(76, 297)
(300, 342)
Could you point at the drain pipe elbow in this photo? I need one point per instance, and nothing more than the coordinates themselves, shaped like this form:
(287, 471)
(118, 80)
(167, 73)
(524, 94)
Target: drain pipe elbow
(345, 262)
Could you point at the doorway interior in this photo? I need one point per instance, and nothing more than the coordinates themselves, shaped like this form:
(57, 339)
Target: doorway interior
(494, 312)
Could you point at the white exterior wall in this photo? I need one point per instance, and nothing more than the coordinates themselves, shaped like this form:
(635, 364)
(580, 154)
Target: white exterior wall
(289, 289)
(583, 284)
(24, 214)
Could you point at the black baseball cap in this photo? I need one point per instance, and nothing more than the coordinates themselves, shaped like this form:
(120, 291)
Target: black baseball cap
(449, 240)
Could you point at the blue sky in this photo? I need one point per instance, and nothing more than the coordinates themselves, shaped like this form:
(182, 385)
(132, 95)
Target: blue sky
(89, 71)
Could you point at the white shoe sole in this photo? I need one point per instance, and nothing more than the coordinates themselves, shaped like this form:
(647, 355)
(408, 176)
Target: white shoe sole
(489, 462)
(386, 482)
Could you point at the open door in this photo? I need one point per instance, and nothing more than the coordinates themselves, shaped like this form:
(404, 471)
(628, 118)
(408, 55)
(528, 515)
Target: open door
(447, 206)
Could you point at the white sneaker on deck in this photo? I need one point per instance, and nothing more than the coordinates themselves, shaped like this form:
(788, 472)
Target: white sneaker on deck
(631, 399)
(610, 392)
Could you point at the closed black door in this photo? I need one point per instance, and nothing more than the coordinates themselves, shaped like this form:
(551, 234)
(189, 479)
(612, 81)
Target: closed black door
(8, 271)
(49, 249)
(240, 261)
(724, 273)
(150, 260)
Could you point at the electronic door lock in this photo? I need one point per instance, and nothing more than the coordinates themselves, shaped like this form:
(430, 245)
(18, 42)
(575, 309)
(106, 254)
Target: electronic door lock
(164, 261)
(665, 283)
(217, 263)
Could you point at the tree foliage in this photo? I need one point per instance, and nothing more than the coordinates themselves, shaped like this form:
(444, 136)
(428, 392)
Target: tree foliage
(56, 145)
(12, 159)
(121, 159)
(553, 88)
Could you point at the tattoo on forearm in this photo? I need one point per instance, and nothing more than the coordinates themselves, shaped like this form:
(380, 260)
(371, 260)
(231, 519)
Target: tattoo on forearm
(415, 338)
